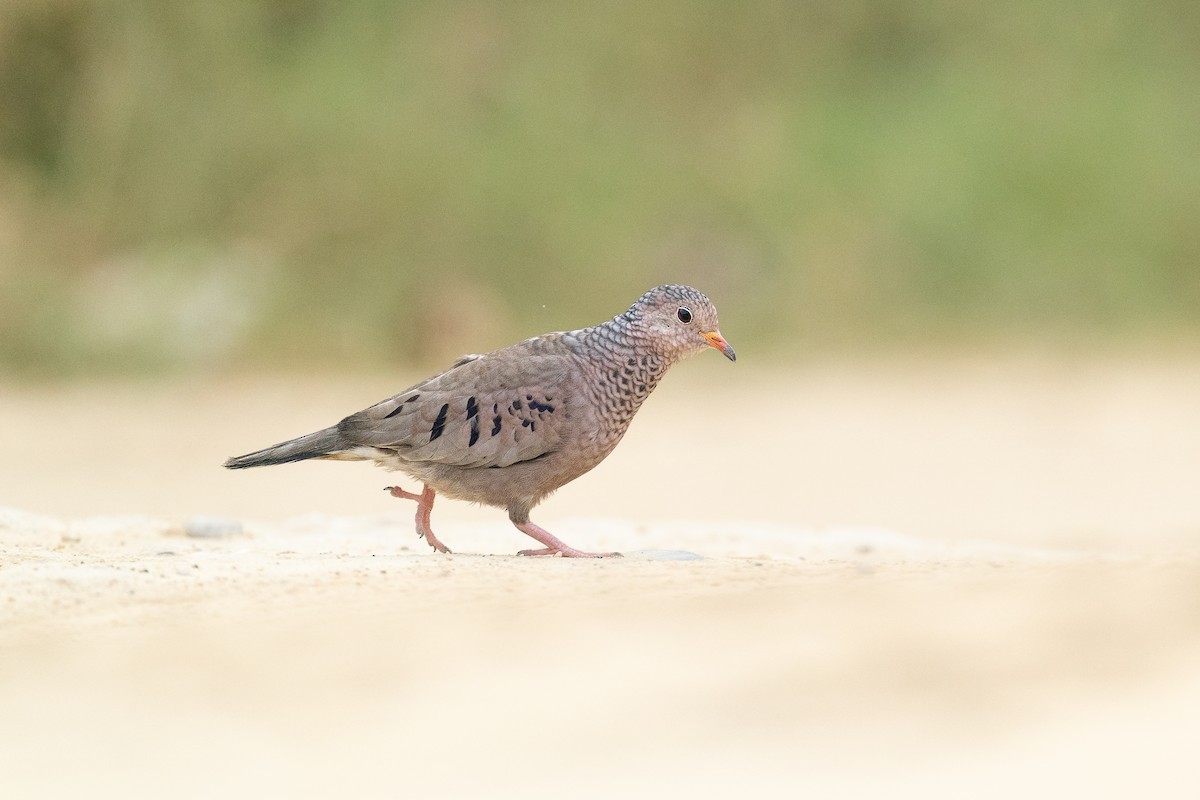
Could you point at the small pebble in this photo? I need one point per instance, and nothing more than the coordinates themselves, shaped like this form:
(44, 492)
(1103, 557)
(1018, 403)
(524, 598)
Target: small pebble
(212, 527)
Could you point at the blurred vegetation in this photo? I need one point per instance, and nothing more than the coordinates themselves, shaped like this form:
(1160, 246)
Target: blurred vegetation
(222, 184)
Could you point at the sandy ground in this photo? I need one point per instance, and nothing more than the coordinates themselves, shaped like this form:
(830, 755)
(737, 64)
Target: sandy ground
(946, 577)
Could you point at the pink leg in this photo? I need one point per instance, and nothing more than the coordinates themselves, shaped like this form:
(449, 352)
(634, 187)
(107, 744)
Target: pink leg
(554, 545)
(424, 506)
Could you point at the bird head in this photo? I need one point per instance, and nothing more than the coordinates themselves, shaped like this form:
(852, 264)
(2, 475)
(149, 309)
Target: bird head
(677, 321)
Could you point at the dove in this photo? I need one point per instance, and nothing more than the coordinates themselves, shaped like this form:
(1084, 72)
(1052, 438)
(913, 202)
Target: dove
(509, 427)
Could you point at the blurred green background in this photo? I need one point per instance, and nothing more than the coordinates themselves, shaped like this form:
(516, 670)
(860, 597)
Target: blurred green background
(221, 185)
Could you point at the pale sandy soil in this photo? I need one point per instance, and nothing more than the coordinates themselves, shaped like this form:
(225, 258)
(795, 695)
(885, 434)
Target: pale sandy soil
(946, 578)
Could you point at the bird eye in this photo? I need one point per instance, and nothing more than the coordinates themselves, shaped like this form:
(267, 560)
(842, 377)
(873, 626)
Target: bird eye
(685, 314)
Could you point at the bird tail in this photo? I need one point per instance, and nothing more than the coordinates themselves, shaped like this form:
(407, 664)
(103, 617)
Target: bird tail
(321, 444)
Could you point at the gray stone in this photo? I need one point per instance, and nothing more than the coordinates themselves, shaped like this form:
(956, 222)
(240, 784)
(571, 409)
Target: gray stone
(201, 527)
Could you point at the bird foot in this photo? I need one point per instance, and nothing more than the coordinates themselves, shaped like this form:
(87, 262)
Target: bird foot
(554, 545)
(424, 507)
(566, 552)
(433, 541)
(396, 491)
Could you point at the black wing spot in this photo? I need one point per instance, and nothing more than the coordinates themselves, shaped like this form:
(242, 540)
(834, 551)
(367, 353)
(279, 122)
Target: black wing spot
(413, 398)
(517, 405)
(525, 423)
(440, 423)
(395, 411)
(474, 431)
(472, 407)
(495, 424)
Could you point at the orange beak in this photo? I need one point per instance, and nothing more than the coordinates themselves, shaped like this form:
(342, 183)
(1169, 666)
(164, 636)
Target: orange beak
(715, 339)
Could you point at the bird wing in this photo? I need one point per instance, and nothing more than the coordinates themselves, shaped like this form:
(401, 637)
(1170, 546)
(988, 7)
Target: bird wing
(485, 411)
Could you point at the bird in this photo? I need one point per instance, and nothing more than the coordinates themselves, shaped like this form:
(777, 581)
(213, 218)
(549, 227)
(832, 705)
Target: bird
(508, 428)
